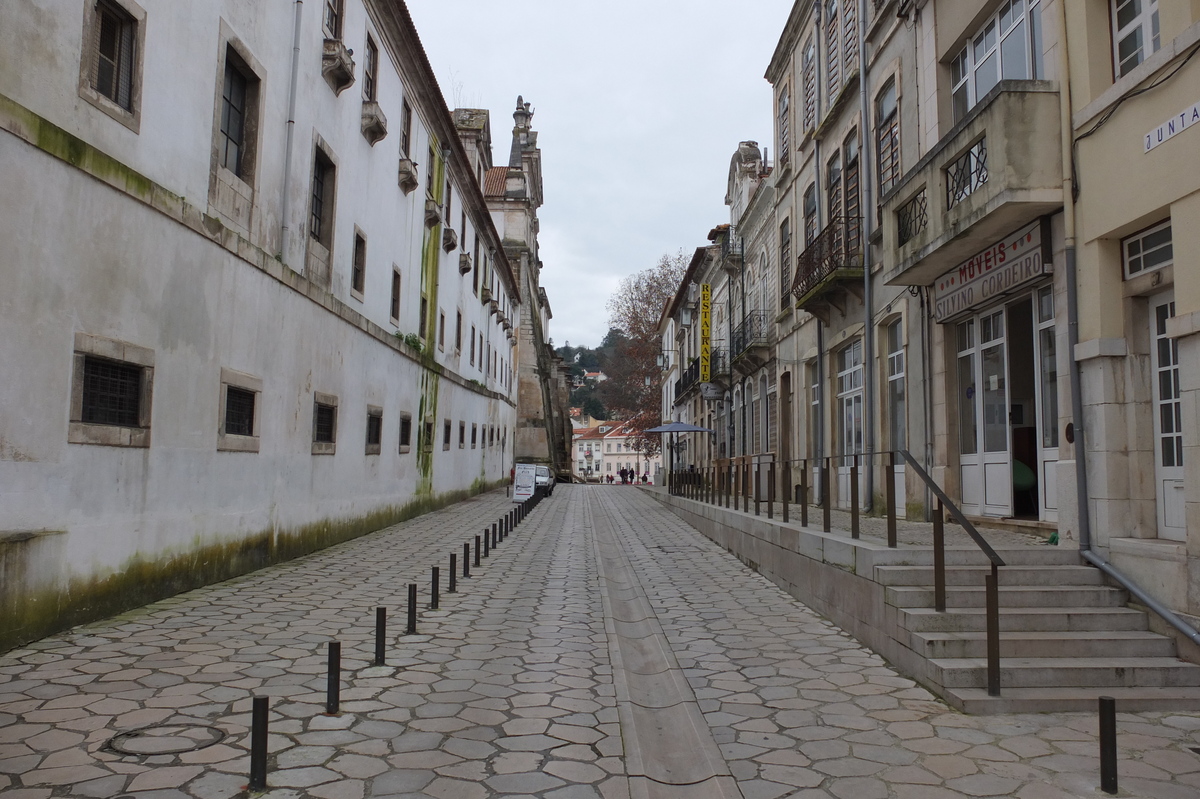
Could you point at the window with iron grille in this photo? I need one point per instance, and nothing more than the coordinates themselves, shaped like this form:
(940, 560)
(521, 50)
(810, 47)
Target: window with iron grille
(887, 132)
(324, 423)
(114, 36)
(474, 435)
(374, 429)
(321, 217)
(458, 332)
(358, 273)
(441, 331)
(405, 129)
(446, 435)
(239, 411)
(234, 97)
(395, 307)
(405, 433)
(333, 19)
(424, 316)
(370, 70)
(462, 435)
(112, 392)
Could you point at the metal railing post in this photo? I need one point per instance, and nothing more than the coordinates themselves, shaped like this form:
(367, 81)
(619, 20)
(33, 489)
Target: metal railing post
(889, 493)
(771, 490)
(825, 493)
(757, 486)
(993, 631)
(745, 488)
(854, 532)
(802, 500)
(939, 560)
(786, 488)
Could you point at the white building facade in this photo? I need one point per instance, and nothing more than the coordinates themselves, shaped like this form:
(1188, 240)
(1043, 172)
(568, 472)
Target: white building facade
(242, 240)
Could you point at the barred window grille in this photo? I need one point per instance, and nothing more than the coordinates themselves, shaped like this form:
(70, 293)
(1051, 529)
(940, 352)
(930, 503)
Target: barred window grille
(239, 411)
(405, 431)
(112, 64)
(374, 429)
(912, 217)
(966, 174)
(358, 275)
(112, 392)
(324, 423)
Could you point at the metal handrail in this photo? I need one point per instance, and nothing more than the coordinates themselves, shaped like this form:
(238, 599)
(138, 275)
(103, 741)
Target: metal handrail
(954, 511)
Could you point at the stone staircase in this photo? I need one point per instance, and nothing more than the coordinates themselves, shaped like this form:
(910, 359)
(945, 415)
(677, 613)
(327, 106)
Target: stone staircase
(1066, 636)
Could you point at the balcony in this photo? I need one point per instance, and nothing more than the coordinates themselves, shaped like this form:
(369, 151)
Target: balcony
(750, 343)
(718, 377)
(830, 266)
(997, 170)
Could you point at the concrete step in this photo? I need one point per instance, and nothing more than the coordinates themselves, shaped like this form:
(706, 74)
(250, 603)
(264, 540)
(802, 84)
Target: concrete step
(1046, 596)
(1071, 700)
(1068, 673)
(1034, 555)
(1022, 619)
(1009, 575)
(1054, 644)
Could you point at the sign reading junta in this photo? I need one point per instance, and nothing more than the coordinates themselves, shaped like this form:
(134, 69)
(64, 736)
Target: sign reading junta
(990, 274)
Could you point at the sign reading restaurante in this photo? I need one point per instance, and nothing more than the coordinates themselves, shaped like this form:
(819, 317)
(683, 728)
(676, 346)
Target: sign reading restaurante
(992, 273)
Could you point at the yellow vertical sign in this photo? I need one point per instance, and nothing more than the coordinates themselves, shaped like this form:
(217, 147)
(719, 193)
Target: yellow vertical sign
(705, 332)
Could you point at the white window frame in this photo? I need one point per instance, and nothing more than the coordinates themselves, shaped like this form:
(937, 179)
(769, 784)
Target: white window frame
(1144, 23)
(1134, 252)
(1002, 24)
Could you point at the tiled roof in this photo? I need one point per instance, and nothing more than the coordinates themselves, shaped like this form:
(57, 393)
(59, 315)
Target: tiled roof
(494, 181)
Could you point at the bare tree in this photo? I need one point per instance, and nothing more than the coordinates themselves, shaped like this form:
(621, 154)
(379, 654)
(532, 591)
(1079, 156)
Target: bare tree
(632, 390)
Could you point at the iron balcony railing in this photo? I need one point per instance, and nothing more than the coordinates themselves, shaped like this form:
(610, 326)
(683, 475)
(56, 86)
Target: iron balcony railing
(838, 246)
(717, 366)
(966, 173)
(912, 217)
(752, 332)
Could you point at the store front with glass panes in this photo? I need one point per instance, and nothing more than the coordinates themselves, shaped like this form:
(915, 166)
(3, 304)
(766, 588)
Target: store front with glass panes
(997, 312)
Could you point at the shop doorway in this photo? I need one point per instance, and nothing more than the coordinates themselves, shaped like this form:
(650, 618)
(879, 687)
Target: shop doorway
(1007, 407)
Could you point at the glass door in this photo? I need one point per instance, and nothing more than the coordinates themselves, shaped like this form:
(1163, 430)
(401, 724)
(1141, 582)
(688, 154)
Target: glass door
(1168, 418)
(984, 454)
(1047, 377)
(850, 419)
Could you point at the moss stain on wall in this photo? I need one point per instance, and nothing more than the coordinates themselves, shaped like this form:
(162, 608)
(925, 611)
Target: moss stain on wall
(28, 616)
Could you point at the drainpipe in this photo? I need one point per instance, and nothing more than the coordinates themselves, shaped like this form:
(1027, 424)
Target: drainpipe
(1081, 484)
(864, 160)
(285, 209)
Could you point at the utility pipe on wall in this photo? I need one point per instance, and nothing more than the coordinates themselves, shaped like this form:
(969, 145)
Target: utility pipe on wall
(864, 160)
(285, 207)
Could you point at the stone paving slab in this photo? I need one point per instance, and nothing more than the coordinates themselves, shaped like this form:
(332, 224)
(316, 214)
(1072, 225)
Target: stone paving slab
(509, 688)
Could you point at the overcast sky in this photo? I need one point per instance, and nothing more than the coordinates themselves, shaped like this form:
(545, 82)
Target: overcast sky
(639, 107)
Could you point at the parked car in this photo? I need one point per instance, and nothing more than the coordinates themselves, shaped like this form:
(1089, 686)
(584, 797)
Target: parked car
(545, 480)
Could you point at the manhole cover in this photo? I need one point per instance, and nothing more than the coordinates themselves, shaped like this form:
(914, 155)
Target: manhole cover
(166, 739)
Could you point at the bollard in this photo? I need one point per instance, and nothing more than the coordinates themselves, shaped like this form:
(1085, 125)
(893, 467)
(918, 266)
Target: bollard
(486, 542)
(258, 745)
(466, 560)
(477, 546)
(453, 587)
(412, 610)
(494, 539)
(434, 587)
(333, 683)
(380, 637)
(1108, 744)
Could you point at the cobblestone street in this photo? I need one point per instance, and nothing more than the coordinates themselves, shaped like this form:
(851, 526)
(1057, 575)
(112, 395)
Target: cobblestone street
(605, 649)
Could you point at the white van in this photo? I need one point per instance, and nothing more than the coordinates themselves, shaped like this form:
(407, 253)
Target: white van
(545, 480)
